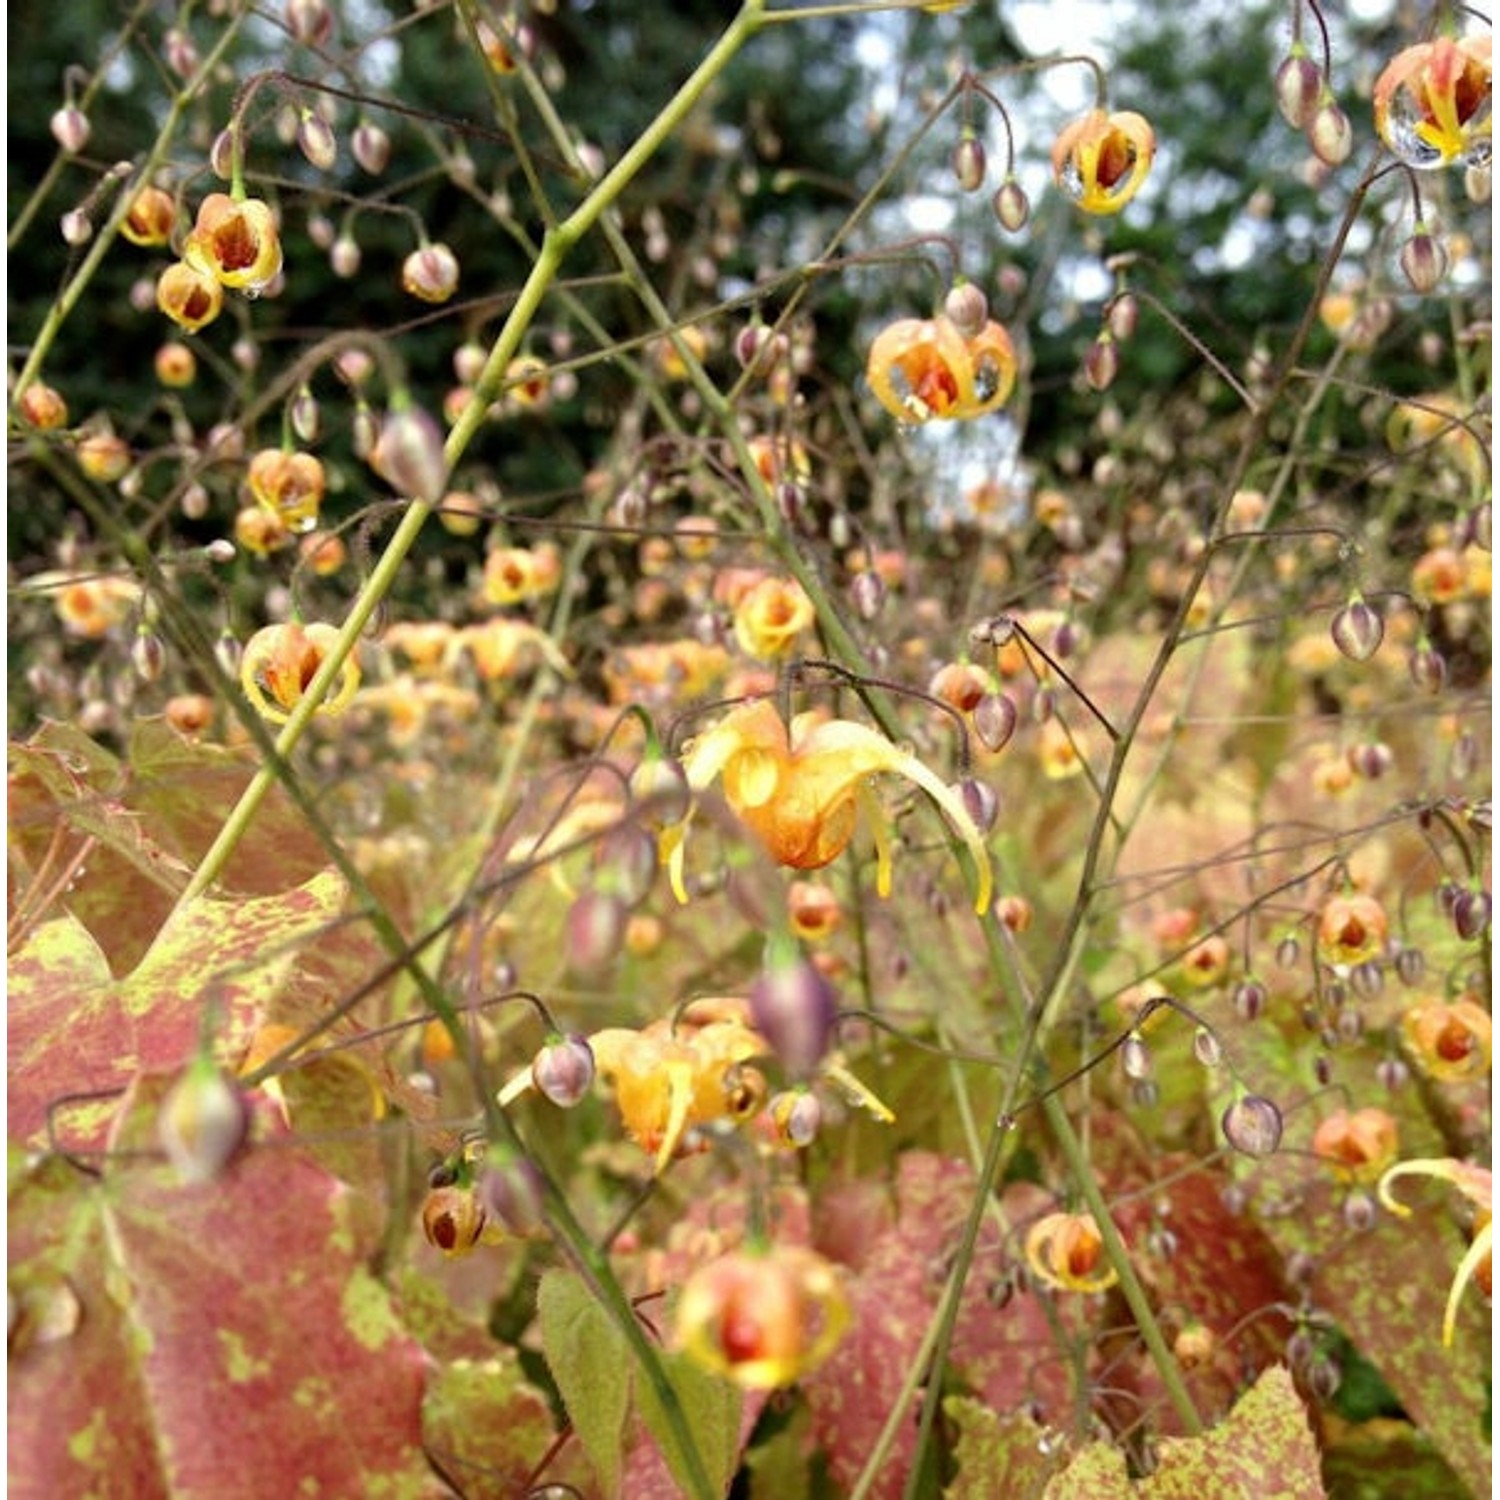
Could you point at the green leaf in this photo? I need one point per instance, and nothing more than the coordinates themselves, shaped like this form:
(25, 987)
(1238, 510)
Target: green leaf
(712, 1408)
(485, 1426)
(997, 1453)
(591, 1364)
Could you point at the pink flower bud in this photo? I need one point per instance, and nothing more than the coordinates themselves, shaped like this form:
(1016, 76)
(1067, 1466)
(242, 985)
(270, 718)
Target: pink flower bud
(1252, 1125)
(1424, 261)
(994, 720)
(1330, 135)
(794, 1007)
(76, 227)
(408, 455)
(70, 128)
(317, 142)
(594, 932)
(563, 1071)
(1011, 205)
(967, 308)
(1299, 86)
(1102, 363)
(430, 273)
(371, 147)
(1357, 630)
(203, 1122)
(969, 163)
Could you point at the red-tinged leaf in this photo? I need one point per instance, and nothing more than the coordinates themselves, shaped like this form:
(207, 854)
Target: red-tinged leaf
(231, 1341)
(997, 1453)
(74, 1030)
(1098, 1472)
(485, 1427)
(591, 1363)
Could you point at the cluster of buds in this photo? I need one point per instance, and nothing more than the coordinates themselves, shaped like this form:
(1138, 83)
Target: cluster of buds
(1305, 98)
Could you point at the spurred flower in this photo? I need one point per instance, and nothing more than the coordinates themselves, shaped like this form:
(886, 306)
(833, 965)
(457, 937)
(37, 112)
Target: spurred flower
(799, 790)
(762, 1317)
(1101, 160)
(281, 660)
(190, 297)
(1432, 103)
(235, 243)
(150, 217)
(1351, 929)
(1066, 1251)
(1358, 1146)
(1449, 1041)
(921, 368)
(289, 485)
(1476, 1185)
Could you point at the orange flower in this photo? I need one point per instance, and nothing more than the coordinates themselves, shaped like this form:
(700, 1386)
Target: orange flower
(763, 1317)
(1351, 929)
(920, 368)
(103, 456)
(770, 616)
(190, 297)
(176, 365)
(43, 407)
(88, 607)
(150, 218)
(498, 647)
(813, 910)
(1476, 1185)
(1064, 1251)
(515, 574)
(260, 531)
(1358, 1146)
(799, 790)
(1432, 103)
(235, 243)
(1449, 1041)
(1101, 160)
(281, 660)
(289, 485)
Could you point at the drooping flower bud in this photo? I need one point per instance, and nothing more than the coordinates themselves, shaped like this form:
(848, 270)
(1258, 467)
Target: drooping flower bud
(316, 141)
(967, 308)
(430, 273)
(1299, 87)
(969, 163)
(563, 1071)
(203, 1122)
(371, 147)
(1330, 135)
(510, 1193)
(1102, 363)
(1357, 630)
(1424, 261)
(70, 129)
(994, 720)
(1011, 205)
(408, 454)
(794, 1007)
(594, 932)
(1252, 1125)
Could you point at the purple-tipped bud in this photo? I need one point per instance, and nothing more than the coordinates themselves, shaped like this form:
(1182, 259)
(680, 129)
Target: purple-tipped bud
(370, 147)
(309, 21)
(967, 308)
(408, 455)
(563, 1071)
(1011, 205)
(1252, 1125)
(969, 163)
(994, 719)
(980, 802)
(148, 655)
(1371, 759)
(1299, 86)
(511, 1195)
(317, 142)
(796, 1116)
(794, 1007)
(1424, 261)
(70, 128)
(1410, 965)
(1367, 980)
(1206, 1048)
(1123, 316)
(594, 932)
(1392, 1074)
(1330, 135)
(1102, 363)
(306, 418)
(1357, 630)
(1471, 913)
(203, 1122)
(867, 591)
(1427, 669)
(1135, 1057)
(1249, 999)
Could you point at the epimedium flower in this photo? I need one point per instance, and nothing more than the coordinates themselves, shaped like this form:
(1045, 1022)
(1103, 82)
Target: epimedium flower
(921, 368)
(1100, 160)
(799, 790)
(150, 218)
(237, 243)
(769, 617)
(281, 660)
(1476, 1185)
(189, 296)
(289, 485)
(513, 575)
(1357, 1146)
(1432, 103)
(762, 1316)
(1065, 1251)
(1449, 1041)
(1351, 929)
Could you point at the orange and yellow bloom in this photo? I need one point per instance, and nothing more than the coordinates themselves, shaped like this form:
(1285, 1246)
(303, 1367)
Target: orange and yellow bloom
(1449, 1041)
(769, 617)
(1357, 1147)
(1432, 103)
(1101, 160)
(281, 660)
(1066, 1252)
(1351, 929)
(150, 217)
(921, 368)
(190, 297)
(799, 790)
(236, 243)
(289, 485)
(762, 1317)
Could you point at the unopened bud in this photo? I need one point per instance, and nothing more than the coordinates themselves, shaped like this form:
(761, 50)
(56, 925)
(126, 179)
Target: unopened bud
(994, 720)
(867, 591)
(1424, 261)
(345, 256)
(1427, 669)
(594, 931)
(221, 550)
(317, 142)
(203, 1122)
(1330, 135)
(1471, 914)
(980, 802)
(1123, 316)
(1206, 1048)
(1135, 1057)
(563, 1071)
(969, 163)
(1248, 999)
(1299, 86)
(1102, 363)
(181, 52)
(659, 788)
(794, 1007)
(221, 155)
(430, 273)
(309, 21)
(408, 455)
(796, 1116)
(371, 147)
(1357, 630)
(1252, 1125)
(1011, 205)
(305, 417)
(70, 128)
(148, 655)
(512, 1196)
(76, 227)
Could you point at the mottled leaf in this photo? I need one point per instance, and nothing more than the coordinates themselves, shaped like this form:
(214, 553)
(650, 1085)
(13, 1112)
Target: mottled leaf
(485, 1427)
(231, 1342)
(998, 1453)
